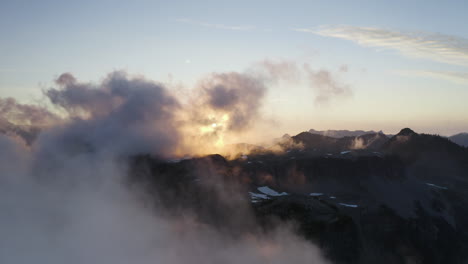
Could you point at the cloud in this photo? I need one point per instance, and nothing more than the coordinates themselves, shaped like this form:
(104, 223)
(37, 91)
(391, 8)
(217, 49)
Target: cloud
(231, 101)
(227, 104)
(455, 77)
(325, 83)
(85, 213)
(343, 68)
(432, 46)
(68, 197)
(24, 121)
(120, 114)
(326, 86)
(25, 114)
(216, 26)
(129, 115)
(273, 71)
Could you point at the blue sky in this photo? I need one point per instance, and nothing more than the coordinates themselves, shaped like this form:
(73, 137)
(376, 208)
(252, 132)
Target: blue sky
(409, 69)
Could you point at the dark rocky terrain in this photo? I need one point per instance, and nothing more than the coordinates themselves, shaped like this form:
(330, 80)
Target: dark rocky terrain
(402, 199)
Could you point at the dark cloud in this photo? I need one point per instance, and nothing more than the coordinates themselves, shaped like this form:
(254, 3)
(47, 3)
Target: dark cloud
(65, 79)
(238, 95)
(127, 115)
(221, 97)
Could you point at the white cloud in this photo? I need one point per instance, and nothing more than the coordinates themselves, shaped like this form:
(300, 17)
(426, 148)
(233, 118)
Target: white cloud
(217, 26)
(432, 46)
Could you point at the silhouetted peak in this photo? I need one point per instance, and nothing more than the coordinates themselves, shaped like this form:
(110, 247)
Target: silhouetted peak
(406, 132)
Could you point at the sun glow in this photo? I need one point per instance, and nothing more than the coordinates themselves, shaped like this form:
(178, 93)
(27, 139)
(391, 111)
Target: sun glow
(210, 135)
(220, 142)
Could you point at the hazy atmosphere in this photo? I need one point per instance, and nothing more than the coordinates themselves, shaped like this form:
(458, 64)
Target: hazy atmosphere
(233, 132)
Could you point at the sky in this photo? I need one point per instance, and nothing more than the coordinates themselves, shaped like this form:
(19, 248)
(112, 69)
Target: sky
(395, 64)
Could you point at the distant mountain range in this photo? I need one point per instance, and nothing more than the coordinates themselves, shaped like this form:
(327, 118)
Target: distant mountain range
(461, 139)
(371, 141)
(342, 133)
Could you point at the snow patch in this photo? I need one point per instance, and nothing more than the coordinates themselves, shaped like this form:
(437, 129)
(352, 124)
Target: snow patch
(345, 152)
(436, 186)
(258, 196)
(316, 194)
(349, 205)
(268, 191)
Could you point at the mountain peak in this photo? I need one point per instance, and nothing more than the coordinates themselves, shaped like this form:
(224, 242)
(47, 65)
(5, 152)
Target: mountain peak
(406, 132)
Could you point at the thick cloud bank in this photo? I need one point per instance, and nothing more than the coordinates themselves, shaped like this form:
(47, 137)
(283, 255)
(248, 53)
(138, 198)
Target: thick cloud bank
(65, 197)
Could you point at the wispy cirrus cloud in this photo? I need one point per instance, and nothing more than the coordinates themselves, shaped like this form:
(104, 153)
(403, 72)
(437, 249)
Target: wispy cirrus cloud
(216, 26)
(433, 46)
(455, 77)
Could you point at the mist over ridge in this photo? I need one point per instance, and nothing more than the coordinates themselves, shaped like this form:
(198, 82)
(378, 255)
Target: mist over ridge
(125, 170)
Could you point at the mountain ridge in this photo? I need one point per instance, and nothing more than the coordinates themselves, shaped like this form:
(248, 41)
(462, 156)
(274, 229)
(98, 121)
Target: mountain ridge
(407, 203)
(342, 133)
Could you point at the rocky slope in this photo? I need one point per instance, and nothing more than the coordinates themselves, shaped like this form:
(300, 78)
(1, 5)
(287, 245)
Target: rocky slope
(403, 200)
